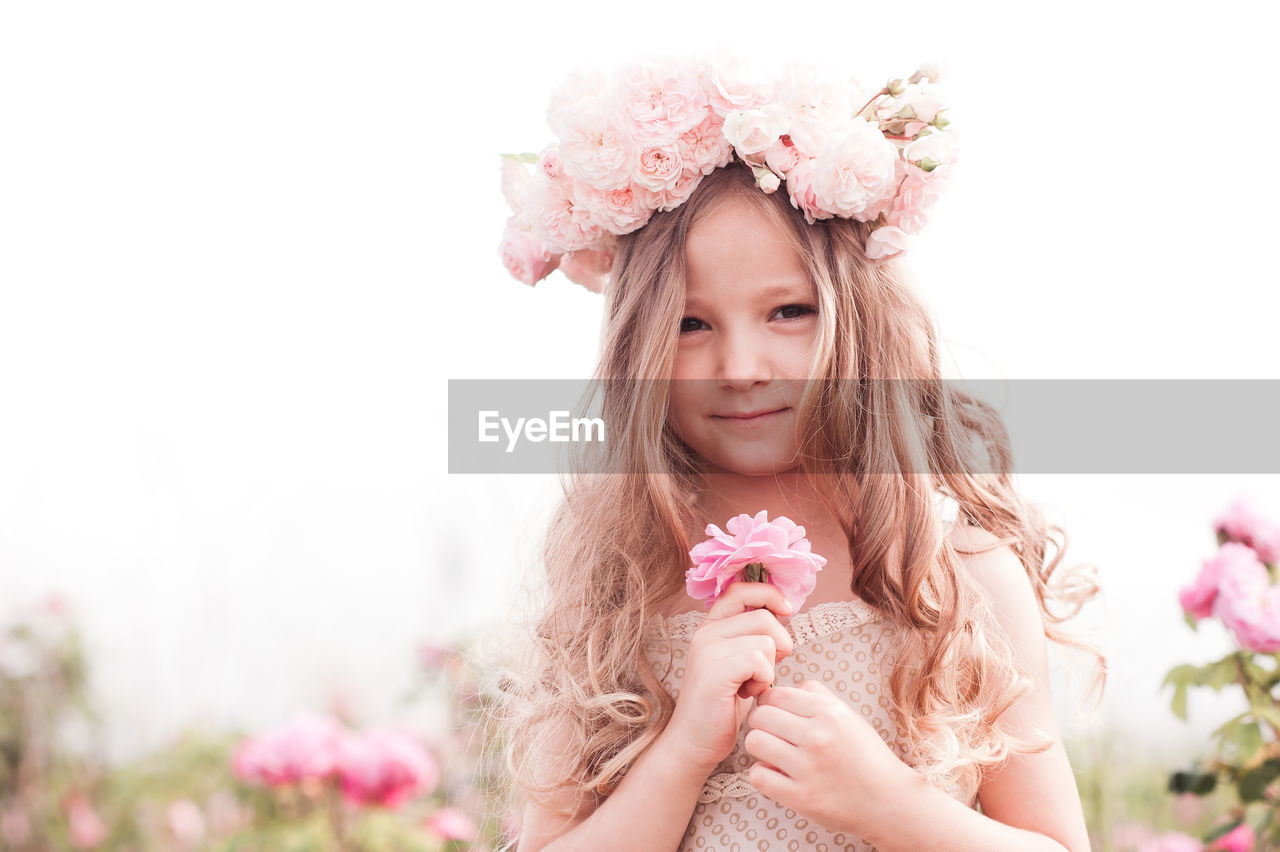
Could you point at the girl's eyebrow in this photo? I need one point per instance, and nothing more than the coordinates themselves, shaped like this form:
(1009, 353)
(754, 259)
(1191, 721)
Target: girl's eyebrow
(800, 291)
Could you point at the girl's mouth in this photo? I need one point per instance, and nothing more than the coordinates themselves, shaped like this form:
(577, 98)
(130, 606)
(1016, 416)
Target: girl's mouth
(748, 418)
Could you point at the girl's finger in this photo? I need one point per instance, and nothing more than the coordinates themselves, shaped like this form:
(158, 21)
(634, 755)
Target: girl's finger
(753, 623)
(742, 596)
(761, 672)
(774, 751)
(801, 702)
(771, 781)
(781, 723)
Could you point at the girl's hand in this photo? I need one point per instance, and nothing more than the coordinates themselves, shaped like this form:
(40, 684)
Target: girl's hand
(731, 659)
(821, 759)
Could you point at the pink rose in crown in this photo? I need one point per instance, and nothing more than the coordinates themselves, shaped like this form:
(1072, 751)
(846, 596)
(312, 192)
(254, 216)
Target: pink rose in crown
(524, 255)
(755, 550)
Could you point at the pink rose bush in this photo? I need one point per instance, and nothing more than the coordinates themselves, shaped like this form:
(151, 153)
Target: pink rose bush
(304, 750)
(381, 768)
(385, 768)
(1241, 522)
(640, 141)
(776, 551)
(1237, 586)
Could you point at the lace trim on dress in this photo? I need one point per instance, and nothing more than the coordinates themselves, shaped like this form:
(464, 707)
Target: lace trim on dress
(726, 785)
(817, 621)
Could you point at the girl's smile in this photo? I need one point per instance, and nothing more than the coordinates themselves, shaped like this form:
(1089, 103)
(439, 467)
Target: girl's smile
(753, 420)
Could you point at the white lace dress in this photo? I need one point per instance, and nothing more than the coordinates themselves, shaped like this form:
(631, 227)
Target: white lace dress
(849, 647)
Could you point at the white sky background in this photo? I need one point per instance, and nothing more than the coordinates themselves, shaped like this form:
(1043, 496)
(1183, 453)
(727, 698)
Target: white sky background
(244, 245)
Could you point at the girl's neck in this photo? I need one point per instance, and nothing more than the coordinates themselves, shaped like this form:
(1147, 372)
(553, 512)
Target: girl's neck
(790, 494)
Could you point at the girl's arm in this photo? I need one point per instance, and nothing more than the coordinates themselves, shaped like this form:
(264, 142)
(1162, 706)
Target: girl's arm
(650, 809)
(1036, 792)
(1032, 802)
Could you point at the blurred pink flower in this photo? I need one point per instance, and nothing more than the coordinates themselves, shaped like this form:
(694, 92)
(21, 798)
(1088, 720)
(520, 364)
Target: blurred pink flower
(779, 544)
(55, 604)
(1188, 808)
(385, 768)
(1127, 836)
(186, 823)
(85, 826)
(432, 656)
(1198, 596)
(452, 824)
(305, 750)
(1239, 839)
(1242, 522)
(1247, 603)
(512, 822)
(1172, 841)
(15, 827)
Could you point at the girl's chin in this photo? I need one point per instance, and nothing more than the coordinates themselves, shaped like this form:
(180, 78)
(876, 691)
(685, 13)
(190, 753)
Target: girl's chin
(749, 467)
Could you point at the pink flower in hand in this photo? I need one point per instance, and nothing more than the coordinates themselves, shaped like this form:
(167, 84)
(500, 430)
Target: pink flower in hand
(385, 768)
(1239, 839)
(779, 546)
(1247, 603)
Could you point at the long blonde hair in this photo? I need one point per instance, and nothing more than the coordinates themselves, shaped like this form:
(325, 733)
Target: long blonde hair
(617, 545)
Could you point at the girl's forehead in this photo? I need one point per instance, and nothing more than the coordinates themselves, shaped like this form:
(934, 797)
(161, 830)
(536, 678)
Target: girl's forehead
(740, 245)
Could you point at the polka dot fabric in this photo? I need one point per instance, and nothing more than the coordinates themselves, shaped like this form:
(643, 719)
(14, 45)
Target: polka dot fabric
(850, 648)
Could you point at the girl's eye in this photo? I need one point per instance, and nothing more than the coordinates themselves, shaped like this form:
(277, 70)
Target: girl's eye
(795, 311)
(788, 312)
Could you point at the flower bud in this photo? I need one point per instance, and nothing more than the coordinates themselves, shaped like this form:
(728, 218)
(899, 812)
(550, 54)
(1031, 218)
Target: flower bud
(940, 120)
(896, 87)
(765, 178)
(928, 164)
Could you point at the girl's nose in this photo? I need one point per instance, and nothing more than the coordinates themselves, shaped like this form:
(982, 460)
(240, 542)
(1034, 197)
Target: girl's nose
(743, 362)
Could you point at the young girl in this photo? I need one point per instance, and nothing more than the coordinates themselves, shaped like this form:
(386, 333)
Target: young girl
(797, 373)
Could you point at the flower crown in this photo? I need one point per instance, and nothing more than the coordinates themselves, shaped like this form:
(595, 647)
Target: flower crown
(641, 141)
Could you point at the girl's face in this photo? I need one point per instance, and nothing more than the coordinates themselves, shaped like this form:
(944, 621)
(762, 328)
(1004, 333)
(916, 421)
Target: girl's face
(746, 343)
